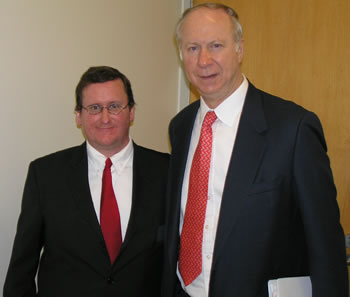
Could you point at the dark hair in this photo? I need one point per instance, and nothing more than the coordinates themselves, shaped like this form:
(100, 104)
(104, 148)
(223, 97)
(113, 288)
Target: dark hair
(101, 74)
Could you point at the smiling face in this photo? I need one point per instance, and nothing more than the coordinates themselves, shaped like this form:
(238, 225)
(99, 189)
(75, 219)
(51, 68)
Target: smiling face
(211, 57)
(106, 132)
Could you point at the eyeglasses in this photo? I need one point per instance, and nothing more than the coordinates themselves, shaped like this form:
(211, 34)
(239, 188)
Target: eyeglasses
(113, 108)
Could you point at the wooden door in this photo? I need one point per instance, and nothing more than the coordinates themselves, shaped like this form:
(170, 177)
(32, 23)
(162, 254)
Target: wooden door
(300, 50)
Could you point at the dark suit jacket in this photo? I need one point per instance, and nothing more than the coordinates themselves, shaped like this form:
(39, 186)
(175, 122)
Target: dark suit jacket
(279, 216)
(58, 215)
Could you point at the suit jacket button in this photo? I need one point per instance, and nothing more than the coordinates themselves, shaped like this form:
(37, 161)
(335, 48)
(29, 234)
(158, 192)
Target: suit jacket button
(110, 281)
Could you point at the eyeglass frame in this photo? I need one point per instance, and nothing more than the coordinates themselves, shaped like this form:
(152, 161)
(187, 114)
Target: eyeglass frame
(101, 107)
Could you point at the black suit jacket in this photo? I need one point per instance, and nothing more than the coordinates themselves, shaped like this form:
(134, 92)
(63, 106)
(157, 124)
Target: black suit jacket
(58, 215)
(279, 216)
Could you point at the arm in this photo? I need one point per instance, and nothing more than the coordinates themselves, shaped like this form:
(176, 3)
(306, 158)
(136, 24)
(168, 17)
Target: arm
(20, 279)
(316, 194)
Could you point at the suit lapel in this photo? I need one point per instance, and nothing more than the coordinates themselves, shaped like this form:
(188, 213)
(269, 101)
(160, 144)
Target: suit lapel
(180, 146)
(137, 189)
(247, 153)
(137, 220)
(78, 181)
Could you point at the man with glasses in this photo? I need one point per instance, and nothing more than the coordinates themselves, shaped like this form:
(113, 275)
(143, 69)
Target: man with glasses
(92, 216)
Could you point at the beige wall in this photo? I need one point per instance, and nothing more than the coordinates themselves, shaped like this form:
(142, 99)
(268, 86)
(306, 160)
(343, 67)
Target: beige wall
(45, 46)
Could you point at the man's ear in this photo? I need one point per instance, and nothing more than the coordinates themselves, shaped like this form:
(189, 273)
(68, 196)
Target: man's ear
(132, 114)
(77, 119)
(240, 49)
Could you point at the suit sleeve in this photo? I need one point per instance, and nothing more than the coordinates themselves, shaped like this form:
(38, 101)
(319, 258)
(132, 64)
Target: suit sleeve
(20, 279)
(316, 194)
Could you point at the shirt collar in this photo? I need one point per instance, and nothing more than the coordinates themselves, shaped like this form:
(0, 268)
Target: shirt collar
(119, 160)
(232, 105)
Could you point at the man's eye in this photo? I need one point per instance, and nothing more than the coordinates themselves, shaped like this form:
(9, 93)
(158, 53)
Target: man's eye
(192, 48)
(94, 107)
(114, 106)
(217, 45)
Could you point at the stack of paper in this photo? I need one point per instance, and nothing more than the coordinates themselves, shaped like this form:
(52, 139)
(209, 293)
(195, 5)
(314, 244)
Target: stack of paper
(290, 287)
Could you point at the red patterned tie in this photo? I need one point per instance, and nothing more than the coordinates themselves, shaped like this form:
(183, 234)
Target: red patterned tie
(109, 214)
(190, 258)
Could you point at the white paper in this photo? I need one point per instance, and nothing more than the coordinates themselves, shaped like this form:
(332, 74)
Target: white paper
(290, 287)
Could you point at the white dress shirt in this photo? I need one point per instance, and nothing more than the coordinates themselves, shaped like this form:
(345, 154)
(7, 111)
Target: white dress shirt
(224, 134)
(121, 171)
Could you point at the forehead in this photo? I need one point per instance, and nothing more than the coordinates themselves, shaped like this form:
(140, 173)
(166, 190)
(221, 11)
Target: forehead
(108, 91)
(205, 23)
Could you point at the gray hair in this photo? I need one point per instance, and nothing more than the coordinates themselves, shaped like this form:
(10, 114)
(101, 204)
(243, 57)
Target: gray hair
(237, 27)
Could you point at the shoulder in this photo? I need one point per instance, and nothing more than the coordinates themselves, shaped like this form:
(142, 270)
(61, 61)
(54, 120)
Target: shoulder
(62, 157)
(183, 121)
(186, 114)
(285, 120)
(149, 155)
(277, 109)
(274, 103)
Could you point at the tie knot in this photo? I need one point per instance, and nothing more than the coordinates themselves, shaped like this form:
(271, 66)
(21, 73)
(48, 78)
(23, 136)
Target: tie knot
(108, 163)
(209, 119)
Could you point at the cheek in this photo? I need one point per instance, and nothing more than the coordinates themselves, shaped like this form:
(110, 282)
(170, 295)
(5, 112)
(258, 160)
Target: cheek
(87, 125)
(190, 64)
(120, 122)
(229, 66)
(190, 75)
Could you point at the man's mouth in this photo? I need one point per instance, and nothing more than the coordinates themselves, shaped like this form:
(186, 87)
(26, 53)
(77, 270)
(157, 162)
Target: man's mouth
(207, 77)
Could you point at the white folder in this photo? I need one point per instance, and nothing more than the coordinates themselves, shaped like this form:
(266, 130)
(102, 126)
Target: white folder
(290, 287)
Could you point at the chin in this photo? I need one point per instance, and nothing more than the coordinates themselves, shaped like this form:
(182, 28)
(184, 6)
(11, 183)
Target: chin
(208, 92)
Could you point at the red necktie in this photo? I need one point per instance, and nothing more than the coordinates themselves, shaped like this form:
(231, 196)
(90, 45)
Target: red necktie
(190, 258)
(109, 214)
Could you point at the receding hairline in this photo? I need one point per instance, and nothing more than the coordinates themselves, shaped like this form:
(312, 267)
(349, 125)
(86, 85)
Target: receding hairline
(230, 12)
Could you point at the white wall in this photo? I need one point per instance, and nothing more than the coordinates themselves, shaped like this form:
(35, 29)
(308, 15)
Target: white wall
(45, 46)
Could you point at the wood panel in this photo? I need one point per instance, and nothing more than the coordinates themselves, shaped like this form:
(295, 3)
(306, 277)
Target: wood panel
(299, 50)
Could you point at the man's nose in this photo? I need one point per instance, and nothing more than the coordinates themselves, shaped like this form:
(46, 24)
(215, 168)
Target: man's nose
(204, 57)
(105, 114)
